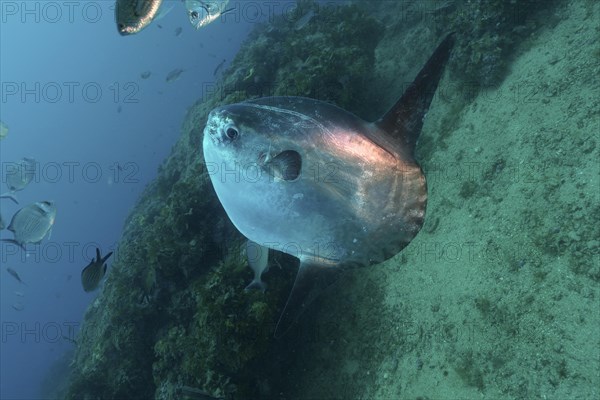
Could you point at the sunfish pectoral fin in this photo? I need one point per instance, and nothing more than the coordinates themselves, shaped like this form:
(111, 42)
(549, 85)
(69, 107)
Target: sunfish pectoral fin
(405, 119)
(311, 280)
(9, 195)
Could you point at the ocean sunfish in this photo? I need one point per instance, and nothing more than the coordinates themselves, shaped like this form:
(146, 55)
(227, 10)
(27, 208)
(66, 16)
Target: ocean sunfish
(312, 180)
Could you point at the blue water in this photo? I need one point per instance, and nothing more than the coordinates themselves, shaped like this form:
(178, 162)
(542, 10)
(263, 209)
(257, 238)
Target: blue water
(65, 74)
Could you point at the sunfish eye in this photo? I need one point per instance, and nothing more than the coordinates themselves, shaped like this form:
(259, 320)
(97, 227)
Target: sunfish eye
(231, 132)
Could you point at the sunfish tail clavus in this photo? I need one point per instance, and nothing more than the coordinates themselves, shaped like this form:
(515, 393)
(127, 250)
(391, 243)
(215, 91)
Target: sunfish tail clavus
(312, 180)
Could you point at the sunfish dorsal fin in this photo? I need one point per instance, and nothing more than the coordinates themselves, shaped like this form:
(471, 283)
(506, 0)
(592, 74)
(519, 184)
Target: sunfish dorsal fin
(405, 119)
(313, 277)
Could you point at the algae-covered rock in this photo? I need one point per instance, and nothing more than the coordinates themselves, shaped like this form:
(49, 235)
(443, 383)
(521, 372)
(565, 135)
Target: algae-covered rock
(489, 31)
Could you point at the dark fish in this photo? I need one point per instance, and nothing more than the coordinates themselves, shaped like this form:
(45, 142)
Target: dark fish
(367, 208)
(119, 109)
(145, 74)
(18, 176)
(93, 273)
(15, 275)
(219, 67)
(134, 15)
(2, 226)
(178, 31)
(174, 75)
(32, 223)
(18, 306)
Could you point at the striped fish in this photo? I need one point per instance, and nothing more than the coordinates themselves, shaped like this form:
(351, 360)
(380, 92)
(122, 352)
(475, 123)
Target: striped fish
(93, 273)
(32, 223)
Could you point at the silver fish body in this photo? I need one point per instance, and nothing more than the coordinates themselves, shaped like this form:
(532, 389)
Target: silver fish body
(3, 130)
(20, 174)
(134, 15)
(312, 175)
(32, 223)
(174, 75)
(202, 12)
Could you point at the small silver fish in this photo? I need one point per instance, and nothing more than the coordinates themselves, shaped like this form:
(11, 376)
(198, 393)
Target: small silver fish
(3, 130)
(304, 20)
(258, 259)
(93, 273)
(202, 12)
(32, 223)
(14, 274)
(20, 294)
(18, 306)
(18, 176)
(174, 75)
(145, 74)
(134, 15)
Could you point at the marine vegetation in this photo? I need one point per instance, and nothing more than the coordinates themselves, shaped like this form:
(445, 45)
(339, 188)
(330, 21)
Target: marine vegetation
(326, 53)
(490, 30)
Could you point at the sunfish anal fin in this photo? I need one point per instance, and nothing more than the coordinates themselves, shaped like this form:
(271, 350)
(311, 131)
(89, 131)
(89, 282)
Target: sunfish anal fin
(312, 279)
(405, 119)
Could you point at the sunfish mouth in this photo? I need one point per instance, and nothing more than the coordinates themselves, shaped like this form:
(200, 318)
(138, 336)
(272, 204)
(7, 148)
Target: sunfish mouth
(285, 166)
